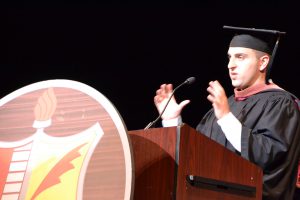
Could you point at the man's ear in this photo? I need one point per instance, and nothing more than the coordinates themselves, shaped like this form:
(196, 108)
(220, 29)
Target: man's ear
(264, 61)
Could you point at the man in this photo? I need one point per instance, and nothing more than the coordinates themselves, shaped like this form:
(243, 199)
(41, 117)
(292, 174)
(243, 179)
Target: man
(260, 121)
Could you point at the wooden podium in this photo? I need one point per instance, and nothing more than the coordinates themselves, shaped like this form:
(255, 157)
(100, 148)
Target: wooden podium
(62, 135)
(179, 163)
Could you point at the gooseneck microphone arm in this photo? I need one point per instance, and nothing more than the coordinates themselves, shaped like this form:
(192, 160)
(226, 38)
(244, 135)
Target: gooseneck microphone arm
(186, 82)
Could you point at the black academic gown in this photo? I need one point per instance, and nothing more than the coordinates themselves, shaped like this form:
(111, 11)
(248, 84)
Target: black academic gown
(270, 138)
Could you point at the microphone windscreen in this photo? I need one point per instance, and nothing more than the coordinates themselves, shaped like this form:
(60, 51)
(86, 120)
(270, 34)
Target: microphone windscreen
(190, 80)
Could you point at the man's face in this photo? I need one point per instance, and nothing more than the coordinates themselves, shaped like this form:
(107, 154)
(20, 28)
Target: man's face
(244, 67)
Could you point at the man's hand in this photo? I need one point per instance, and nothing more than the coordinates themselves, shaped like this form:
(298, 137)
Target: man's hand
(218, 99)
(173, 109)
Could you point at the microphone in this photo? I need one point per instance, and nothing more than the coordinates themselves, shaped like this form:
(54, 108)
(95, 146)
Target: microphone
(188, 81)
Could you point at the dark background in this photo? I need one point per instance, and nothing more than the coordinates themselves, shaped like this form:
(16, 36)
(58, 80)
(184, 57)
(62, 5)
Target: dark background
(126, 49)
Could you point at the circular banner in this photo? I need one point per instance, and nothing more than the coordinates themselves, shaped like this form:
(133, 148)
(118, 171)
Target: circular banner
(62, 139)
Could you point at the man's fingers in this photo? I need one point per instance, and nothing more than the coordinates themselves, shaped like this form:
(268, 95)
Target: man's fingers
(164, 89)
(210, 90)
(210, 98)
(184, 103)
(169, 88)
(215, 89)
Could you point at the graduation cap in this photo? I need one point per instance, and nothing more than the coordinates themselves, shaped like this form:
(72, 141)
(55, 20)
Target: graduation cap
(259, 39)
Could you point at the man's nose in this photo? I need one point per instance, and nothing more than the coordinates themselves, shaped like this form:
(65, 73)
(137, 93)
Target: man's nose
(231, 63)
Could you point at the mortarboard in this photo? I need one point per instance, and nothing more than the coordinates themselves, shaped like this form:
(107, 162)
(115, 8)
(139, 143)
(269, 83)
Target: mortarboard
(259, 39)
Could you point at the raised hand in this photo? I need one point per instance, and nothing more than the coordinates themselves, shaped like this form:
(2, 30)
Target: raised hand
(173, 109)
(218, 98)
